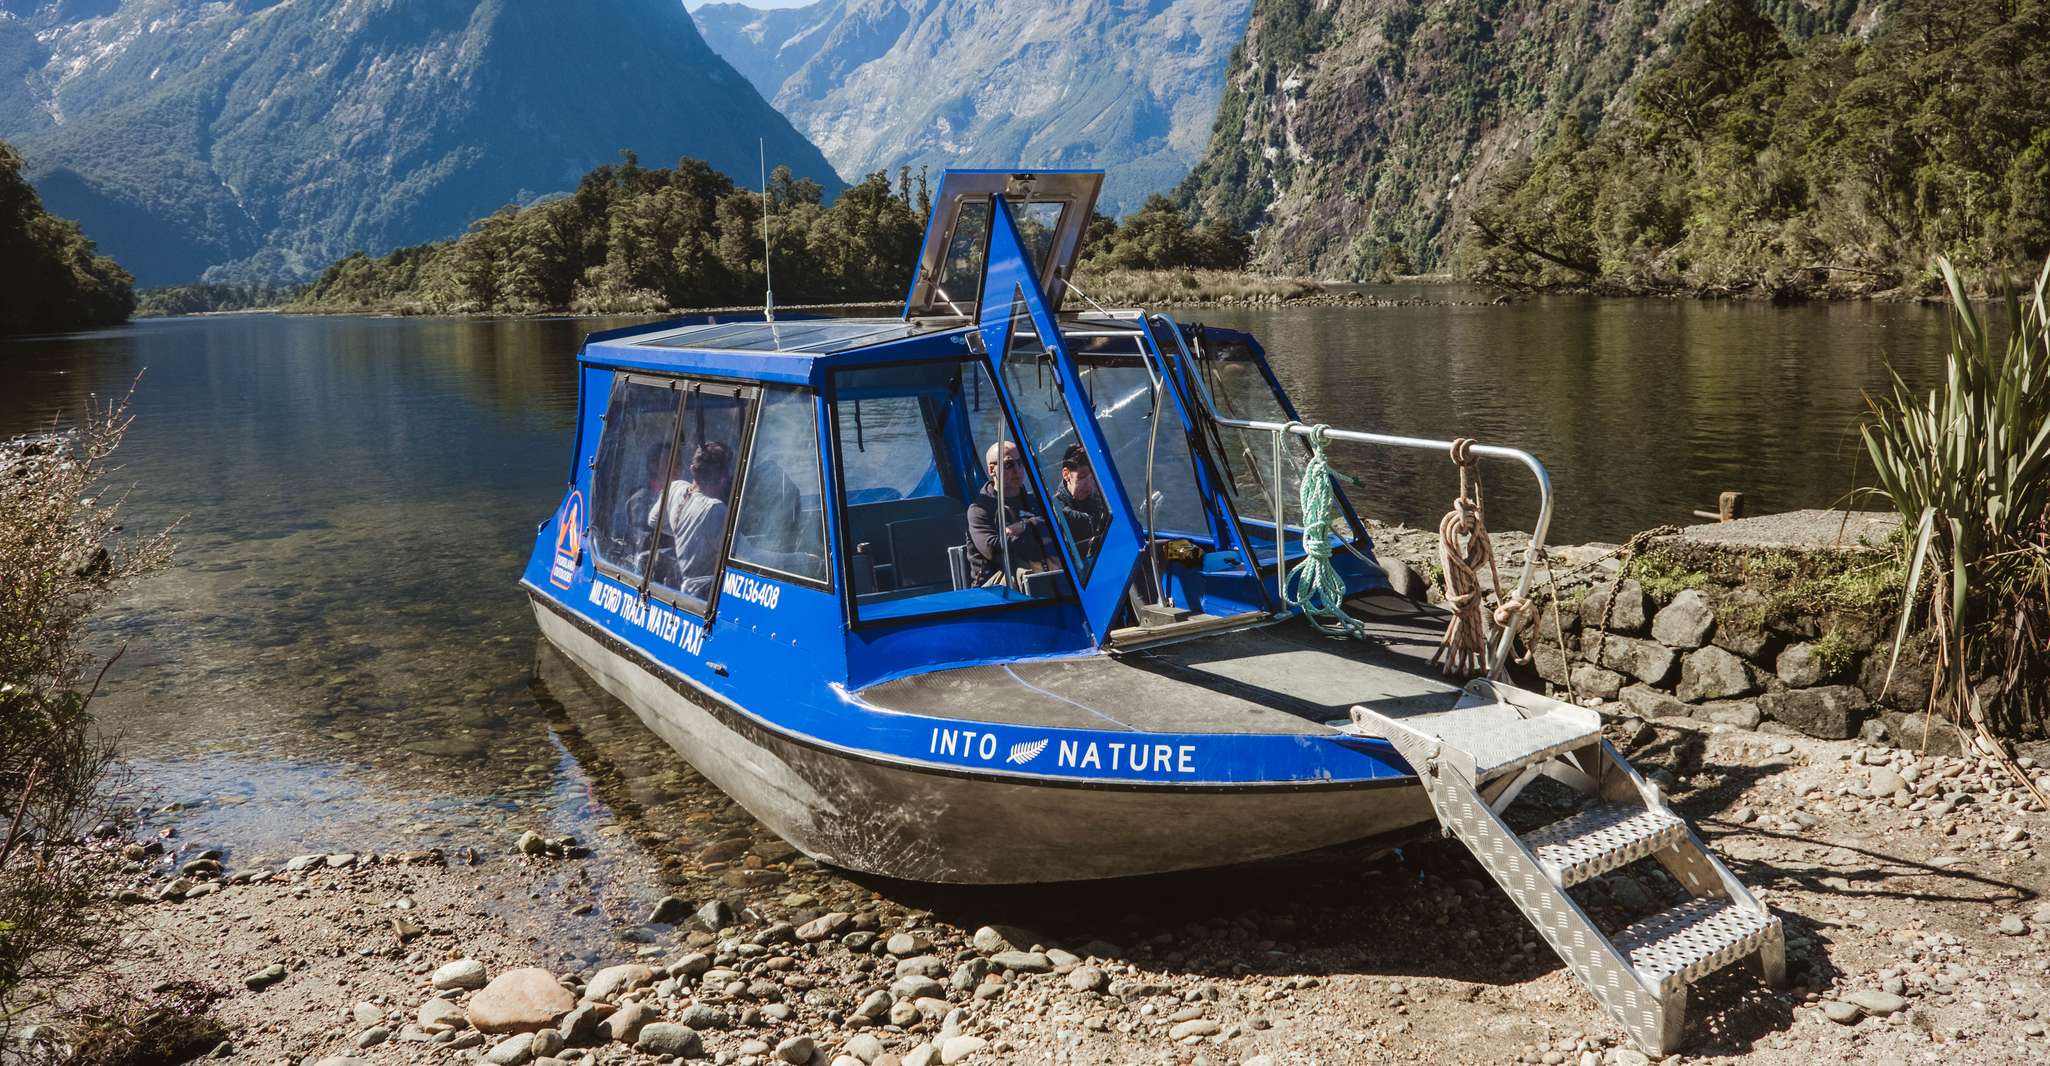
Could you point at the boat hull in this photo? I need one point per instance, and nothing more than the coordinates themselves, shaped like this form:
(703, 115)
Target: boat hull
(862, 812)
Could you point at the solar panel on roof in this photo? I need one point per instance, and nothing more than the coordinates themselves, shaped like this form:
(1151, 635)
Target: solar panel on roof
(806, 335)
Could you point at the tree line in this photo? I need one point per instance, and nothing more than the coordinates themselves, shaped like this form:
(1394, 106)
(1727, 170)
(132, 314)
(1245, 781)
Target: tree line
(635, 239)
(55, 277)
(1752, 165)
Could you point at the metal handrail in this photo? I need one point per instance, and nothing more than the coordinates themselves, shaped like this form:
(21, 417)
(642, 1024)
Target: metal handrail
(1499, 656)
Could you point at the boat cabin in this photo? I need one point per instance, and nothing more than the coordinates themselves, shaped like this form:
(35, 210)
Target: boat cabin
(836, 472)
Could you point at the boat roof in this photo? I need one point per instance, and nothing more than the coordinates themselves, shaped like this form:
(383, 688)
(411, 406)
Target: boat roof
(789, 350)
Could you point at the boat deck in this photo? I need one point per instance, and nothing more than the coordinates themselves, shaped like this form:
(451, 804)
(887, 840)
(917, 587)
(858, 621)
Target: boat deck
(1283, 678)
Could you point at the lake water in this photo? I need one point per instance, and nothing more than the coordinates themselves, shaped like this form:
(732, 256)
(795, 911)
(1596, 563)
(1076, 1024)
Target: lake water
(339, 657)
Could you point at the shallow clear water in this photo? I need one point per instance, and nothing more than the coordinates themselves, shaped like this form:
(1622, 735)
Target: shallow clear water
(339, 657)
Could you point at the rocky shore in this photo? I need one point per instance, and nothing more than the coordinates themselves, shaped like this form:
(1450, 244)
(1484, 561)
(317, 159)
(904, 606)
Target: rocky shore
(1910, 884)
(672, 928)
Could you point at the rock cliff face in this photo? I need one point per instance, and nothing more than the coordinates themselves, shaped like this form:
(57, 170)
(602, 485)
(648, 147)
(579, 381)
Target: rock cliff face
(257, 139)
(1128, 85)
(1350, 127)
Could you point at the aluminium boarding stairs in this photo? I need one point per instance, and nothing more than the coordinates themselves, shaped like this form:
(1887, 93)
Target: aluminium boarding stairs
(1475, 757)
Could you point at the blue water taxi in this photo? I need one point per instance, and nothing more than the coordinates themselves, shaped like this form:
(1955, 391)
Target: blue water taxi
(995, 591)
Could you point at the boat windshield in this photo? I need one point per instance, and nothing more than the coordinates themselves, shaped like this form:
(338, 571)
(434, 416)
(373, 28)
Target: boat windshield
(1240, 388)
(912, 446)
(1120, 395)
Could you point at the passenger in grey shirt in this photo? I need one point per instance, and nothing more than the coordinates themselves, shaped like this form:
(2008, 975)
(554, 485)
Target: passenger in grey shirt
(696, 525)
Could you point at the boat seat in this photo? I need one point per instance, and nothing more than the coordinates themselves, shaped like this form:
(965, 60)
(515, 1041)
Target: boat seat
(920, 547)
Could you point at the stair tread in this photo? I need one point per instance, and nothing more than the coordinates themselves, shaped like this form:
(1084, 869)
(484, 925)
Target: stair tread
(1498, 737)
(1600, 839)
(1677, 947)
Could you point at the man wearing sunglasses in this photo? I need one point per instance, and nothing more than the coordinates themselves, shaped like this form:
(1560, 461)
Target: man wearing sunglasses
(1024, 529)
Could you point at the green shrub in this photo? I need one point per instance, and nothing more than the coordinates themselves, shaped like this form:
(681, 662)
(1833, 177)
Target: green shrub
(61, 556)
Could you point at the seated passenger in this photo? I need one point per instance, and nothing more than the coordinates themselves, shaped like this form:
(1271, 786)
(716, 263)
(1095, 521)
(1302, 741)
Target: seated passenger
(696, 525)
(1031, 544)
(1081, 502)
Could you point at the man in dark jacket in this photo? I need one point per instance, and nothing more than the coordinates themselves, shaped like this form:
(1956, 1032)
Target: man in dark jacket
(1030, 540)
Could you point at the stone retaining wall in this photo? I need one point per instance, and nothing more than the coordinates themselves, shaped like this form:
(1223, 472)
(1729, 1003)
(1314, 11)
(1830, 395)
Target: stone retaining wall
(1780, 624)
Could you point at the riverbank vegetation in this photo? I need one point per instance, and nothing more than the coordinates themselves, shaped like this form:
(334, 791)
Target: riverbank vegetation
(1967, 464)
(1166, 287)
(1751, 165)
(202, 297)
(55, 279)
(62, 556)
(633, 239)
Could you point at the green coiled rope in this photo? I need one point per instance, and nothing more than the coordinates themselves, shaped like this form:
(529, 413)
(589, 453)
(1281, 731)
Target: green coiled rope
(1314, 585)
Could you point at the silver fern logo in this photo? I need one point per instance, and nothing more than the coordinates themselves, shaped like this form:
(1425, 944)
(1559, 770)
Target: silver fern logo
(1025, 751)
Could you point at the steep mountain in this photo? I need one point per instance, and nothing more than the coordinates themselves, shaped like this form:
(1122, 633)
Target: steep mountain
(1128, 85)
(55, 279)
(1357, 131)
(262, 139)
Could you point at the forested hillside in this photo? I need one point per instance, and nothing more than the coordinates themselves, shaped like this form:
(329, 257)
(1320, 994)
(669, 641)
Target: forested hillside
(258, 141)
(1754, 163)
(53, 279)
(635, 239)
(1355, 133)
(641, 239)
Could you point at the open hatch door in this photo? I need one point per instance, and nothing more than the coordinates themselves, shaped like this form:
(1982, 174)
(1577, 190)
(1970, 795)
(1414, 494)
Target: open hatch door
(1040, 381)
(1049, 209)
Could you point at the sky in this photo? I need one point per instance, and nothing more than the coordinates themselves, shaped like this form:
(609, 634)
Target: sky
(695, 4)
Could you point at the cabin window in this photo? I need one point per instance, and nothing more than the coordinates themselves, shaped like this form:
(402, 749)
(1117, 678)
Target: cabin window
(633, 466)
(911, 443)
(782, 527)
(691, 539)
(1038, 222)
(1120, 392)
(668, 460)
(959, 281)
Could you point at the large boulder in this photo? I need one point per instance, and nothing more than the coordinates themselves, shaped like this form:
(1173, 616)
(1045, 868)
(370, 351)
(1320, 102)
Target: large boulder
(1647, 661)
(1686, 622)
(1740, 623)
(1592, 680)
(1912, 674)
(1714, 674)
(1647, 702)
(609, 983)
(460, 974)
(1802, 666)
(1923, 732)
(1550, 663)
(669, 1038)
(521, 1001)
(1743, 714)
(1627, 616)
(1832, 712)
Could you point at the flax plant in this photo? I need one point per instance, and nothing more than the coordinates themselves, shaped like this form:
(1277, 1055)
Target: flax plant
(1967, 465)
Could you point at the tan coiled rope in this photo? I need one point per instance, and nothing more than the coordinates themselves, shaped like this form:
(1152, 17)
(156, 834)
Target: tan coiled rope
(1464, 548)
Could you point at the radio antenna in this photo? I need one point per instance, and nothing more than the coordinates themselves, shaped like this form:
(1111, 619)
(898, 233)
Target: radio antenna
(768, 283)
